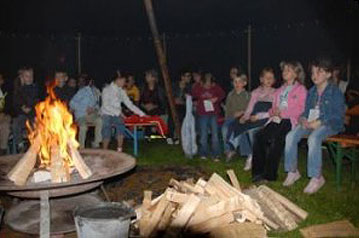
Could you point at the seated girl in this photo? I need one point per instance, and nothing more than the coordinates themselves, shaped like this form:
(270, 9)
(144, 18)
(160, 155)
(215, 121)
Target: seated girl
(255, 116)
(288, 105)
(323, 117)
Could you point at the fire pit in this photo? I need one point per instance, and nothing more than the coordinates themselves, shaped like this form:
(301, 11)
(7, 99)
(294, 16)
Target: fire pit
(54, 167)
(24, 217)
(103, 163)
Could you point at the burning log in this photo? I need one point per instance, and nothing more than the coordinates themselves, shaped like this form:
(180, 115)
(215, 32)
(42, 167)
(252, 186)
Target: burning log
(53, 142)
(23, 168)
(79, 163)
(60, 171)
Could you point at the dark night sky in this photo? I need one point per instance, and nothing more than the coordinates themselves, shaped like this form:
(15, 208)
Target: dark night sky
(102, 21)
(119, 17)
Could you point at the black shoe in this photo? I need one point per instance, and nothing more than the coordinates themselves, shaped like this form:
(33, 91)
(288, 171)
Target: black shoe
(257, 179)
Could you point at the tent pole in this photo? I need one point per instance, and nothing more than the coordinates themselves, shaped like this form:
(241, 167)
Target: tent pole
(249, 56)
(163, 63)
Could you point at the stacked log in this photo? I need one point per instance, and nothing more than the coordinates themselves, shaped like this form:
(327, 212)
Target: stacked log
(208, 206)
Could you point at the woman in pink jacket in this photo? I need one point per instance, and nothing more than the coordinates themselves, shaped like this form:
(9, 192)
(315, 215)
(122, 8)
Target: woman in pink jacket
(288, 105)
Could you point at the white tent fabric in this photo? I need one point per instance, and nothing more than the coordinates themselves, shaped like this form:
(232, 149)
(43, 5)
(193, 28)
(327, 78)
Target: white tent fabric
(188, 131)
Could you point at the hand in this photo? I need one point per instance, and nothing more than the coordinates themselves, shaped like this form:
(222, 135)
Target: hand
(238, 114)
(213, 100)
(26, 109)
(276, 112)
(304, 122)
(179, 101)
(253, 118)
(242, 120)
(314, 124)
(150, 106)
(90, 110)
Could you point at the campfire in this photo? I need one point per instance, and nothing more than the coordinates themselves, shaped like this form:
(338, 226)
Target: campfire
(54, 148)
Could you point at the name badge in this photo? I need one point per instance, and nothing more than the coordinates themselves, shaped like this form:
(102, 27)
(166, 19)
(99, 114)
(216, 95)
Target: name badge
(313, 114)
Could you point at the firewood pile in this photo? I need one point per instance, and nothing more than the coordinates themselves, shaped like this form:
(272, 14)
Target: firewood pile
(218, 208)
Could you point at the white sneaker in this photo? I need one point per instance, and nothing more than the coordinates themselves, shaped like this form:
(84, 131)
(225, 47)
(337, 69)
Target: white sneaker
(177, 142)
(314, 185)
(119, 149)
(169, 141)
(203, 158)
(248, 165)
(292, 177)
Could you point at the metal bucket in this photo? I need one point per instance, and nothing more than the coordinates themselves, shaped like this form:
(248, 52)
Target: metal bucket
(110, 220)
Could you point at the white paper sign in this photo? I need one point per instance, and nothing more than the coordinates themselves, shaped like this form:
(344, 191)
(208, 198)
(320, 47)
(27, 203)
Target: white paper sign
(208, 106)
(313, 115)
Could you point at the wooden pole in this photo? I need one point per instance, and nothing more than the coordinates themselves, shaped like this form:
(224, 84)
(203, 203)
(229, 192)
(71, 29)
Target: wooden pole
(164, 43)
(163, 63)
(249, 56)
(79, 53)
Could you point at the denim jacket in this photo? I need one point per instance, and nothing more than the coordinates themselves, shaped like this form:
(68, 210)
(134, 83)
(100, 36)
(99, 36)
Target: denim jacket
(331, 106)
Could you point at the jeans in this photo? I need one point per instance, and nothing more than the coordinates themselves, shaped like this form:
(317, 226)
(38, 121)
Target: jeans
(244, 141)
(208, 122)
(225, 128)
(112, 121)
(315, 140)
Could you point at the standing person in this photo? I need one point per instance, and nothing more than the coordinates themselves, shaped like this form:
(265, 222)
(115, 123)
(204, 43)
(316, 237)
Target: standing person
(236, 104)
(288, 105)
(152, 96)
(241, 132)
(85, 105)
(323, 117)
(209, 97)
(26, 95)
(112, 97)
(62, 91)
(180, 90)
(4, 119)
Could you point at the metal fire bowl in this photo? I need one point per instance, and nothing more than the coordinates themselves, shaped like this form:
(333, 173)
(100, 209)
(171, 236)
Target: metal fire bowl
(103, 164)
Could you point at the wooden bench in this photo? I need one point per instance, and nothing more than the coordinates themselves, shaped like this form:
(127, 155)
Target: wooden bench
(340, 147)
(345, 146)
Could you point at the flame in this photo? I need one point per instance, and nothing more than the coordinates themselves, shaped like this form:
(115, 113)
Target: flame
(54, 125)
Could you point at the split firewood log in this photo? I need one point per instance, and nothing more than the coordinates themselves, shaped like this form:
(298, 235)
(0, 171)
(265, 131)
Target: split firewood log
(21, 171)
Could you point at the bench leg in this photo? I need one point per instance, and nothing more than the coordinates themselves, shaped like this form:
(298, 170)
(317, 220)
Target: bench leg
(135, 141)
(339, 163)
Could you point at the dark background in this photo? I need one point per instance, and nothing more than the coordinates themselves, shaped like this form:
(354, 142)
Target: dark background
(206, 34)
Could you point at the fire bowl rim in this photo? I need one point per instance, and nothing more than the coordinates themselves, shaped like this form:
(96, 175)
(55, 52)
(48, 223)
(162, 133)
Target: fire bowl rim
(129, 163)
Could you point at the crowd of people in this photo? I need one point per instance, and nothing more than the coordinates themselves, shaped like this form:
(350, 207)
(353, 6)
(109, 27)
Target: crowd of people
(261, 125)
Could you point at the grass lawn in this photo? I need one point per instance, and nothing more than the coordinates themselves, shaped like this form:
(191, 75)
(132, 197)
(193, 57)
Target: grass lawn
(325, 206)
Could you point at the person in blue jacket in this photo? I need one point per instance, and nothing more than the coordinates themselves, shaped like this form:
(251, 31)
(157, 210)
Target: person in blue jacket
(323, 117)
